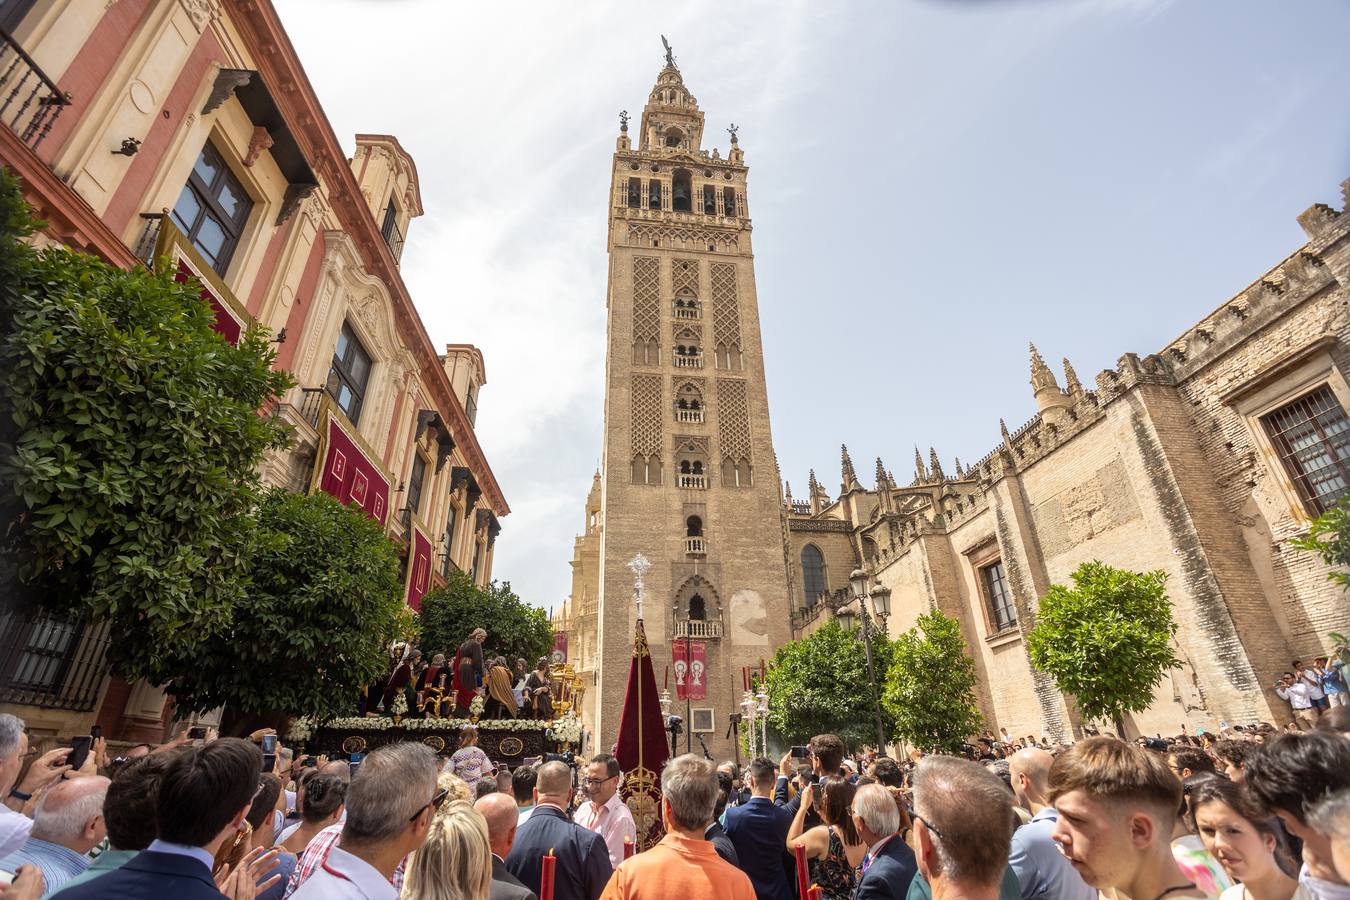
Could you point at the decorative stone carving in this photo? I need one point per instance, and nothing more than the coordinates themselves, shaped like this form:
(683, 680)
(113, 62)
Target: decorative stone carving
(227, 82)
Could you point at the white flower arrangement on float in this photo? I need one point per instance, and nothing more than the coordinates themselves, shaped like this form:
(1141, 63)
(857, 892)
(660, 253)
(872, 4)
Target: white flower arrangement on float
(357, 723)
(476, 706)
(566, 730)
(400, 707)
(301, 729)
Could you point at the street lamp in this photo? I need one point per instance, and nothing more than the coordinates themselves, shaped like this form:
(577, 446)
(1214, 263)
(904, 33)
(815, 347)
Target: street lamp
(881, 597)
(763, 710)
(749, 710)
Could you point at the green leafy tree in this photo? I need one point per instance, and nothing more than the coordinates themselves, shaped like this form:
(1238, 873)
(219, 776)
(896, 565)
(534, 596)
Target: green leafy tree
(129, 445)
(312, 629)
(1107, 640)
(819, 685)
(1329, 537)
(930, 687)
(515, 628)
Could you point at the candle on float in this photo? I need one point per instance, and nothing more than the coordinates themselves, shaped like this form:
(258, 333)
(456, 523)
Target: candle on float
(803, 882)
(816, 893)
(547, 874)
(629, 848)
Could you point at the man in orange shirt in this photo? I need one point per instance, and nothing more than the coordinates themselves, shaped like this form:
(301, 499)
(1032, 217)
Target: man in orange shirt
(684, 865)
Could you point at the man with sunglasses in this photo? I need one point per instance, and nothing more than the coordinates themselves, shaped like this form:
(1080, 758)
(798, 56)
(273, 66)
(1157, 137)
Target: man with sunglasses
(606, 814)
(389, 811)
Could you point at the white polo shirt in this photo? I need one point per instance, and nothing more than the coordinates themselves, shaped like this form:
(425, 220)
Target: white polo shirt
(346, 877)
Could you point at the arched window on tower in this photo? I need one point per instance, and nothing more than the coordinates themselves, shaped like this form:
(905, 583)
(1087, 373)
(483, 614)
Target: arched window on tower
(693, 527)
(674, 137)
(698, 609)
(682, 191)
(709, 200)
(813, 574)
(654, 194)
(635, 193)
(728, 201)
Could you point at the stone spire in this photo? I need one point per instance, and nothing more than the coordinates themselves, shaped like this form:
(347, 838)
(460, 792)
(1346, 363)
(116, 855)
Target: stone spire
(814, 491)
(959, 473)
(787, 492)
(1007, 438)
(812, 484)
(850, 477)
(1074, 386)
(935, 465)
(920, 473)
(1051, 401)
(882, 482)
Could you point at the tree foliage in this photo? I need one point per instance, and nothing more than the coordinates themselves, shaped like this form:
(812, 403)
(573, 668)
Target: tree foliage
(311, 631)
(819, 685)
(1107, 640)
(930, 687)
(129, 445)
(1329, 537)
(515, 628)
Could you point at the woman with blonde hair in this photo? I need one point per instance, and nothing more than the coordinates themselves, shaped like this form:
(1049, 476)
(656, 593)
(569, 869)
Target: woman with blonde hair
(455, 863)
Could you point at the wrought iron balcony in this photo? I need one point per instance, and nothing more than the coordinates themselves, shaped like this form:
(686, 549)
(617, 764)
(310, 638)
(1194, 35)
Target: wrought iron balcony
(393, 237)
(30, 102)
(695, 546)
(696, 482)
(698, 629)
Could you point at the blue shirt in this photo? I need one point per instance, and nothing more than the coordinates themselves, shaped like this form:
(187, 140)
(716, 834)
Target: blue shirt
(106, 862)
(197, 853)
(58, 864)
(1042, 871)
(1333, 681)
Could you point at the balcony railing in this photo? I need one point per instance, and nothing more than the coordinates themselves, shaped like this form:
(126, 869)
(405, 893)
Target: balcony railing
(688, 312)
(697, 482)
(51, 662)
(696, 546)
(394, 238)
(311, 402)
(688, 362)
(30, 102)
(689, 415)
(698, 629)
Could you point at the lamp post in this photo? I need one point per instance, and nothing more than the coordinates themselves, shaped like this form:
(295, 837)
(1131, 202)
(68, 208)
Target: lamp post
(881, 599)
(749, 712)
(762, 708)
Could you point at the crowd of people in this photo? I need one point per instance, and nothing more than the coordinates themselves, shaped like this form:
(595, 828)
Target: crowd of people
(418, 687)
(1258, 814)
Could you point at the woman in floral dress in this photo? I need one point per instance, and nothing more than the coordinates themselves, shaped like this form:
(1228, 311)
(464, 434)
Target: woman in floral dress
(834, 850)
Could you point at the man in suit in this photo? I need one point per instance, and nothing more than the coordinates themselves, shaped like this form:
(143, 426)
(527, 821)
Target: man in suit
(499, 810)
(583, 865)
(737, 794)
(889, 865)
(758, 830)
(204, 796)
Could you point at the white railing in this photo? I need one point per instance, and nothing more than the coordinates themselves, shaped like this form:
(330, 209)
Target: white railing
(687, 312)
(696, 546)
(697, 628)
(689, 415)
(688, 362)
(698, 482)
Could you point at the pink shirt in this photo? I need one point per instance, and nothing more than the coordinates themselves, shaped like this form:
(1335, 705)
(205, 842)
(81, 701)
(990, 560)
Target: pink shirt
(613, 822)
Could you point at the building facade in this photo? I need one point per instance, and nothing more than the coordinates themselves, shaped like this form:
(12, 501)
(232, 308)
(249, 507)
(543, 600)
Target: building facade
(1204, 459)
(186, 133)
(689, 478)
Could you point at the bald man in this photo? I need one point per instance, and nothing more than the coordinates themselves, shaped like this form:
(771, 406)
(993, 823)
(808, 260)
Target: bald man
(583, 865)
(1042, 871)
(500, 812)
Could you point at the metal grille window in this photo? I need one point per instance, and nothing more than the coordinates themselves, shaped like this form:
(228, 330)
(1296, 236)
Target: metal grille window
(1002, 612)
(50, 662)
(1312, 436)
(349, 375)
(415, 479)
(813, 574)
(212, 209)
(446, 561)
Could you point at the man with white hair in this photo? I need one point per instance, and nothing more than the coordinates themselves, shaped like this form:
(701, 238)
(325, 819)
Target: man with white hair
(67, 824)
(1042, 871)
(889, 867)
(684, 865)
(14, 826)
(963, 825)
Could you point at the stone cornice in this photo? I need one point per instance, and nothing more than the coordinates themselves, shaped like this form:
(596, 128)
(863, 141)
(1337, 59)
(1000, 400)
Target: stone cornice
(268, 44)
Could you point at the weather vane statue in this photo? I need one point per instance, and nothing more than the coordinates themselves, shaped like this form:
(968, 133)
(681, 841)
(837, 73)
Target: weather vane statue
(670, 55)
(623, 120)
(639, 565)
(732, 129)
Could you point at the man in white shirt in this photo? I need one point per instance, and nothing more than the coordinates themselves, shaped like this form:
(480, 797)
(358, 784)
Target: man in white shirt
(389, 812)
(14, 825)
(606, 814)
(1299, 696)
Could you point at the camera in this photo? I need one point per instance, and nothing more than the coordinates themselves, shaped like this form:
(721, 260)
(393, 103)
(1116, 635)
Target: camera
(569, 758)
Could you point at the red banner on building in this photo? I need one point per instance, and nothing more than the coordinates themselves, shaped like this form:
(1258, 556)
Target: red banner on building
(349, 474)
(419, 568)
(691, 669)
(231, 316)
(559, 647)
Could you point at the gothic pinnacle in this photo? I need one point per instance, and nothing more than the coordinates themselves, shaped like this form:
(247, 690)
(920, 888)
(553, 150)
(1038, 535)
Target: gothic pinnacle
(1041, 376)
(1072, 384)
(846, 468)
(787, 491)
(881, 475)
(934, 465)
(1003, 427)
(920, 473)
(959, 473)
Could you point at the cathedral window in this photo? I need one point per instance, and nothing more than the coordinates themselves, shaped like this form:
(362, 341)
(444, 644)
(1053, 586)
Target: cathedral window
(693, 527)
(813, 574)
(688, 356)
(212, 209)
(692, 474)
(350, 374)
(635, 193)
(654, 194)
(674, 137)
(997, 599)
(645, 352)
(646, 469)
(686, 308)
(689, 405)
(682, 191)
(709, 200)
(728, 356)
(1312, 437)
(728, 201)
(735, 472)
(698, 608)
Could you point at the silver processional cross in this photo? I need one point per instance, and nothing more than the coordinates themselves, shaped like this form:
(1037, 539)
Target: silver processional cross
(639, 565)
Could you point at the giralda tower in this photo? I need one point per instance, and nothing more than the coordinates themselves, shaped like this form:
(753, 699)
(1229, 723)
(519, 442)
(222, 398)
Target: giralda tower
(690, 480)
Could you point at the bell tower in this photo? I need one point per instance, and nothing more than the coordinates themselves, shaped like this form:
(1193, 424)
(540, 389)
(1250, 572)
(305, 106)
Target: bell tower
(689, 478)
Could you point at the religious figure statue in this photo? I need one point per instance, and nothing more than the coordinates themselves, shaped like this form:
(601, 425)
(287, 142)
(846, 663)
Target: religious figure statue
(670, 56)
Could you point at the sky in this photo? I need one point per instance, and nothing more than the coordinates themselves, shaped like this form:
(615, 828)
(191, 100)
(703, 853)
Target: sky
(933, 184)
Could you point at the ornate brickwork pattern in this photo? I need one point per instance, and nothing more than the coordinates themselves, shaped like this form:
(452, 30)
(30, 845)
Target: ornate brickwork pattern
(642, 234)
(726, 314)
(647, 415)
(733, 419)
(646, 298)
(684, 276)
